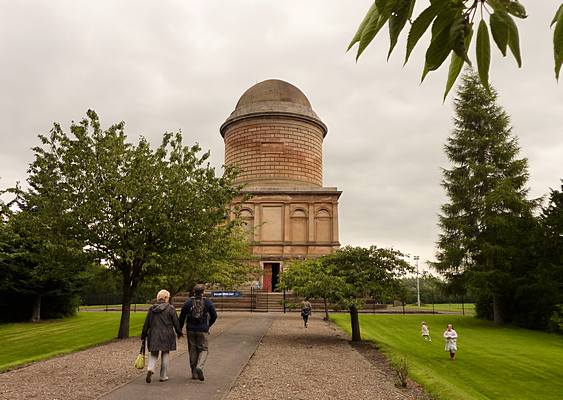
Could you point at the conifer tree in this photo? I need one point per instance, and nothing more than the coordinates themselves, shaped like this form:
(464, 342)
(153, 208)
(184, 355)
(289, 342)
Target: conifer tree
(484, 220)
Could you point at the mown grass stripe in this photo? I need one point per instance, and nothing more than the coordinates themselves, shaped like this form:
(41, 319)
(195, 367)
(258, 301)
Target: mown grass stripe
(493, 362)
(28, 342)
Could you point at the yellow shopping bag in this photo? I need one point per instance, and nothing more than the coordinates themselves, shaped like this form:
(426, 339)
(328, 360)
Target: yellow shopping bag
(140, 360)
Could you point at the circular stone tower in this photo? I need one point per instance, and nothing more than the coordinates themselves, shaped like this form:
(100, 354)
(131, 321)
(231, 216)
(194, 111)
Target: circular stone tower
(275, 138)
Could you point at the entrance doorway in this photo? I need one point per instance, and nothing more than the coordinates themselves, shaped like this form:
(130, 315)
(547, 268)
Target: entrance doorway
(271, 276)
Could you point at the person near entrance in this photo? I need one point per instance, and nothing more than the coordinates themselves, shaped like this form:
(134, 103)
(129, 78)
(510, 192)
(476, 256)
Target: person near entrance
(306, 311)
(199, 314)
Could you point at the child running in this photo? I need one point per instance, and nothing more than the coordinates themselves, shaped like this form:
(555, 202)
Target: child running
(425, 332)
(451, 341)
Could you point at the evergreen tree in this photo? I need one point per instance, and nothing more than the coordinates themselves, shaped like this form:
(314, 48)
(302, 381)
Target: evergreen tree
(486, 217)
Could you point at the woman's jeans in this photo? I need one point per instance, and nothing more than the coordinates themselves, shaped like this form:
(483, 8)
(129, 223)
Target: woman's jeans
(153, 357)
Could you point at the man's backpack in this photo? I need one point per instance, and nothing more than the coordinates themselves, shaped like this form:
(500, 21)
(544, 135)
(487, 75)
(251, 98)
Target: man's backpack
(198, 312)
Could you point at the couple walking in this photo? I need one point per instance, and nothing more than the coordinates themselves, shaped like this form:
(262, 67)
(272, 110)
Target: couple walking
(162, 326)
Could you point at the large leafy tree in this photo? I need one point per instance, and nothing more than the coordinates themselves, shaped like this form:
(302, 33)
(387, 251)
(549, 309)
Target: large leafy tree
(222, 261)
(485, 220)
(452, 26)
(133, 207)
(356, 273)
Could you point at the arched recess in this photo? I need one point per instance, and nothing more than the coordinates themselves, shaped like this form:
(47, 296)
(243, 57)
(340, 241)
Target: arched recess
(247, 219)
(298, 225)
(323, 226)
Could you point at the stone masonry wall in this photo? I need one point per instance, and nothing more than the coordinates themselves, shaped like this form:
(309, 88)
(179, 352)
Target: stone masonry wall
(280, 151)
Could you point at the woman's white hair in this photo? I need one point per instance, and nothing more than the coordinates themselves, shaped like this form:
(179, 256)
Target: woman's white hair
(163, 295)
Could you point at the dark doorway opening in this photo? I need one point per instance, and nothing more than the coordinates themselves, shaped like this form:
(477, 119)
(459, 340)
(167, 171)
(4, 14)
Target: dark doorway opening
(271, 276)
(275, 276)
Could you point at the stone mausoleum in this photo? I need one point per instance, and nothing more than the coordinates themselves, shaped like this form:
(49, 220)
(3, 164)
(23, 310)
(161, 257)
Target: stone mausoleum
(276, 139)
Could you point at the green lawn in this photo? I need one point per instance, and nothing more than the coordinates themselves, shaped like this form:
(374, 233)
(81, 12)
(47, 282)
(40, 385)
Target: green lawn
(25, 342)
(448, 307)
(115, 306)
(492, 362)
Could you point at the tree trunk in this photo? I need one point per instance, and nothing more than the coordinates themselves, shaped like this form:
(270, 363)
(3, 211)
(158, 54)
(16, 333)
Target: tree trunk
(36, 310)
(326, 309)
(126, 297)
(498, 317)
(354, 320)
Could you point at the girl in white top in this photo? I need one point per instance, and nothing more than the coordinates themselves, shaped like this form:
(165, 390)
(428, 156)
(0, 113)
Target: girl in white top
(425, 332)
(451, 341)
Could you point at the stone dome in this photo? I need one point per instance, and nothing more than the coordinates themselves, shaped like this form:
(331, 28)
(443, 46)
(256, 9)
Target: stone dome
(270, 98)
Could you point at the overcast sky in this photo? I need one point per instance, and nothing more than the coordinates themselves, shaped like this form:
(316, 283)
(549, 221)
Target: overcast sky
(182, 65)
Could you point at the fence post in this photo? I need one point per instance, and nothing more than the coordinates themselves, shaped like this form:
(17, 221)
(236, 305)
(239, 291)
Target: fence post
(462, 305)
(433, 311)
(284, 300)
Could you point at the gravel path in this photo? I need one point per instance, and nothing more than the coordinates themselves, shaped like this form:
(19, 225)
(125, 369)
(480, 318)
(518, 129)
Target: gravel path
(315, 363)
(86, 374)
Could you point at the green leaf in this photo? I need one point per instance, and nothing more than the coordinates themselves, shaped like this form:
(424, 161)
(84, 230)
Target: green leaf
(397, 21)
(515, 8)
(425, 72)
(419, 26)
(363, 24)
(557, 14)
(369, 32)
(513, 38)
(456, 63)
(558, 42)
(499, 30)
(438, 50)
(458, 31)
(483, 53)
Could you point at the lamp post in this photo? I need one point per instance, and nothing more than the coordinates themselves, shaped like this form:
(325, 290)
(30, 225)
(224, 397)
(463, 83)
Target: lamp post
(417, 282)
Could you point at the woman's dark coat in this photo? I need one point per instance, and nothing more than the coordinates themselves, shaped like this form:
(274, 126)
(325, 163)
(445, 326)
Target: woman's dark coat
(161, 326)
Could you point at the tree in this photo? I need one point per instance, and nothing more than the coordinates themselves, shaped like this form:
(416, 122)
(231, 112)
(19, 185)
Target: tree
(37, 263)
(485, 220)
(452, 32)
(130, 206)
(312, 279)
(223, 261)
(356, 273)
(366, 272)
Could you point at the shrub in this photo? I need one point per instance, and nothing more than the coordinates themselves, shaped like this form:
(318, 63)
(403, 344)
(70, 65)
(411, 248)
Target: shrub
(402, 371)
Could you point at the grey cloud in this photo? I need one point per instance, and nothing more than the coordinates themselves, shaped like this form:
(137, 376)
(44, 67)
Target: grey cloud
(166, 66)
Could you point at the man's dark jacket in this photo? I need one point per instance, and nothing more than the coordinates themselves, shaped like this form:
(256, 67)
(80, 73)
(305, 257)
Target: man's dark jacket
(198, 326)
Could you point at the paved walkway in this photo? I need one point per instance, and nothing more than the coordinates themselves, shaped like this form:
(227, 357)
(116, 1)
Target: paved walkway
(228, 354)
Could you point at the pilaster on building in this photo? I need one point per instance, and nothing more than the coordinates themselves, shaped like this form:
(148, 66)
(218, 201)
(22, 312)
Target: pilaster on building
(276, 140)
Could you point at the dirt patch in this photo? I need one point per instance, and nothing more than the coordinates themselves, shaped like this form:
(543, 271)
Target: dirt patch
(294, 362)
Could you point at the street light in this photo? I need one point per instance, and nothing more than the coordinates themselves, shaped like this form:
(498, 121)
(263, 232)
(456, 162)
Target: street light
(417, 282)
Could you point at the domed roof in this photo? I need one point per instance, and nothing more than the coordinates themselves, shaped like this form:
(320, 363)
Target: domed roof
(273, 97)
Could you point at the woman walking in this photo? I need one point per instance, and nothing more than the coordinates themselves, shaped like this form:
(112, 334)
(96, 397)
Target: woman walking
(451, 341)
(306, 311)
(161, 327)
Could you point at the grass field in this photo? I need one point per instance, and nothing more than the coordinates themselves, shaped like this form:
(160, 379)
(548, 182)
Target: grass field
(25, 342)
(118, 306)
(448, 307)
(492, 362)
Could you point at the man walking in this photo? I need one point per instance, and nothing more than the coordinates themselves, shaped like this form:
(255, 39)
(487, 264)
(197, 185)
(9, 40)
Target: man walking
(200, 315)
